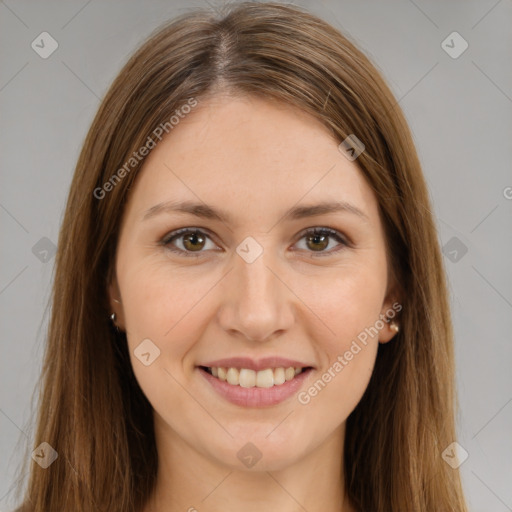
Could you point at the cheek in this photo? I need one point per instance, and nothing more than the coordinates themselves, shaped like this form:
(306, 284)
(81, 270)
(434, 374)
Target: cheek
(349, 303)
(169, 310)
(347, 366)
(159, 300)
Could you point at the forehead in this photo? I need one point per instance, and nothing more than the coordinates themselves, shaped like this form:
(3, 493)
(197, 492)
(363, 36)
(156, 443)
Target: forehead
(250, 156)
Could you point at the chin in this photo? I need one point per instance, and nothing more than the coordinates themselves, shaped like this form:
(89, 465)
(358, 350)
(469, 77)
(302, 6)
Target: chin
(257, 452)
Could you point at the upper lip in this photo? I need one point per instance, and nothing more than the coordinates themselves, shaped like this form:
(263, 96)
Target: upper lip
(256, 365)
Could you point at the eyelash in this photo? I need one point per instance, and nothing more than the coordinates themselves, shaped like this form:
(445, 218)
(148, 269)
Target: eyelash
(322, 231)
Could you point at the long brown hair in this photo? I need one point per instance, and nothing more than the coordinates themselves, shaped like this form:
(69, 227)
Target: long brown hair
(91, 409)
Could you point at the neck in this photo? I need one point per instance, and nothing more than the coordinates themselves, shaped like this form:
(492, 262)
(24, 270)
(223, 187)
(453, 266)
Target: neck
(191, 481)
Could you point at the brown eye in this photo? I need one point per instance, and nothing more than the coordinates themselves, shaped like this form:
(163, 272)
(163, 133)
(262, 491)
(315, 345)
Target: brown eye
(187, 241)
(193, 241)
(317, 242)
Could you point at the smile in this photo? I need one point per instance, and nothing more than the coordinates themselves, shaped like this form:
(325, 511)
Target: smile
(250, 388)
(247, 378)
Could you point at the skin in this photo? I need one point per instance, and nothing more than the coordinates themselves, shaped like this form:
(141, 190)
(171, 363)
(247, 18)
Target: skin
(255, 160)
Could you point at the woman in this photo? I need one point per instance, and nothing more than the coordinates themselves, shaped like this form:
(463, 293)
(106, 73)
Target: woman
(249, 307)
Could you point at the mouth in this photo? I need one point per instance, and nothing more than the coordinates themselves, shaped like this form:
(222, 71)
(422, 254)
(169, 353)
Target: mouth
(246, 387)
(248, 378)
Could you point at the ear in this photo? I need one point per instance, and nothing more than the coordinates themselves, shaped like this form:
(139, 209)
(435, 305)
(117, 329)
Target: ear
(390, 316)
(116, 306)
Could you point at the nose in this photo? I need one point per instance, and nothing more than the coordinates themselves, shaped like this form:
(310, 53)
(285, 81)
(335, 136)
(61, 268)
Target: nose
(256, 303)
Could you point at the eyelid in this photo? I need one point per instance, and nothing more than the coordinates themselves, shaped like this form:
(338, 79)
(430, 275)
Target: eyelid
(182, 231)
(335, 234)
(177, 233)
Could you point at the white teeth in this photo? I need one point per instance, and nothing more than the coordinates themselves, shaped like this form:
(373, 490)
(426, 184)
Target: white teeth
(265, 378)
(289, 373)
(249, 378)
(233, 376)
(279, 376)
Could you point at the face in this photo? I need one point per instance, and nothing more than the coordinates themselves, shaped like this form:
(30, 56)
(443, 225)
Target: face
(252, 271)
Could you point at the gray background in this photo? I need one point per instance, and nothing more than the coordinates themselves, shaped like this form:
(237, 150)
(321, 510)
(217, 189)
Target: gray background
(459, 110)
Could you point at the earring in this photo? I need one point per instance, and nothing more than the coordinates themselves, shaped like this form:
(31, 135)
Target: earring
(392, 325)
(113, 318)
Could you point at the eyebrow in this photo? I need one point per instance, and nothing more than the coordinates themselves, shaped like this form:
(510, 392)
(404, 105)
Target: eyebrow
(208, 212)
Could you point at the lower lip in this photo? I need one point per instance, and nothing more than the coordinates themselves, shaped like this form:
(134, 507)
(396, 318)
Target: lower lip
(256, 397)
